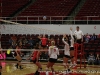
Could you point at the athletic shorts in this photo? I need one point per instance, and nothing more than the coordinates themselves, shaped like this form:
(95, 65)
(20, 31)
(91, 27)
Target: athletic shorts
(79, 41)
(52, 60)
(44, 46)
(35, 60)
(67, 56)
(71, 48)
(15, 54)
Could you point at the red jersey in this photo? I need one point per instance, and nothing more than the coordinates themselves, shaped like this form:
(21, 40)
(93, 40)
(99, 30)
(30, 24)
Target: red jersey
(44, 41)
(35, 55)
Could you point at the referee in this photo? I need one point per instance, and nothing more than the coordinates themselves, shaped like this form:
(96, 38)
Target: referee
(78, 35)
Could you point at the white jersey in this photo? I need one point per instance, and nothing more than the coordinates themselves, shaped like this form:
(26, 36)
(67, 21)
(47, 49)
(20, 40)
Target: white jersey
(78, 34)
(72, 39)
(66, 48)
(53, 52)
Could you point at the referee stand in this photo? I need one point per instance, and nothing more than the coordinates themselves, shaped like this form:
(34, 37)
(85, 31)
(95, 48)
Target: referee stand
(79, 52)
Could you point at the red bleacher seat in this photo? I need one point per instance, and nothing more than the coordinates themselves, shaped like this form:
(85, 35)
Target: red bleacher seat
(90, 8)
(10, 6)
(50, 8)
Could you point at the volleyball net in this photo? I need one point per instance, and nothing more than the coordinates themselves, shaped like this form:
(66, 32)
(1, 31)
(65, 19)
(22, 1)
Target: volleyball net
(40, 30)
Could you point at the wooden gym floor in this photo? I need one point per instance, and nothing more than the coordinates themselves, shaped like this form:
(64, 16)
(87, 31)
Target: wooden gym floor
(29, 68)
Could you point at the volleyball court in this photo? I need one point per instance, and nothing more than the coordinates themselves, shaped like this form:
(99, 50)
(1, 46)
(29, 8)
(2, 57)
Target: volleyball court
(78, 52)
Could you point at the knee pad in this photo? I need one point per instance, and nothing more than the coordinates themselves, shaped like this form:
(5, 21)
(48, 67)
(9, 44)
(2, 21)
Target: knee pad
(0, 67)
(64, 64)
(47, 69)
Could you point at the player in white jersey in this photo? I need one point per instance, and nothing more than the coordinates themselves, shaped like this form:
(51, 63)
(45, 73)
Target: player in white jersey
(66, 52)
(53, 53)
(71, 38)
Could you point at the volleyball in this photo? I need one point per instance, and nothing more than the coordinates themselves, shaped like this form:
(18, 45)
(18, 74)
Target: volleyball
(44, 17)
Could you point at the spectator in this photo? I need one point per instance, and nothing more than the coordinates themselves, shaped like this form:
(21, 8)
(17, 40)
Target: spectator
(49, 41)
(97, 59)
(99, 36)
(52, 39)
(31, 43)
(87, 38)
(20, 40)
(93, 37)
(58, 42)
(38, 41)
(10, 41)
(13, 41)
(91, 59)
(24, 41)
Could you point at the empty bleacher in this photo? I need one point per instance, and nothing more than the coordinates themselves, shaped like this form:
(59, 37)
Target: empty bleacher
(90, 11)
(10, 6)
(48, 8)
(0, 8)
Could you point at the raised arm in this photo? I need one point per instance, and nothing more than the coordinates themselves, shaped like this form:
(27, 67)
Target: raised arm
(16, 49)
(49, 51)
(58, 51)
(64, 41)
(71, 33)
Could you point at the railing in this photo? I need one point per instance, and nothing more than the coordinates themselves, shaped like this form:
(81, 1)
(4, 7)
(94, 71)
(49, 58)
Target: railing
(54, 19)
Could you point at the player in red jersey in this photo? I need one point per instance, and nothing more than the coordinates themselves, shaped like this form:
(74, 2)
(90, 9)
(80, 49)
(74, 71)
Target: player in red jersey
(36, 54)
(44, 42)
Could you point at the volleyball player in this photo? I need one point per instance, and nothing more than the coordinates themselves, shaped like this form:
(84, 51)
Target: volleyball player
(66, 53)
(36, 54)
(44, 42)
(71, 38)
(53, 53)
(18, 54)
